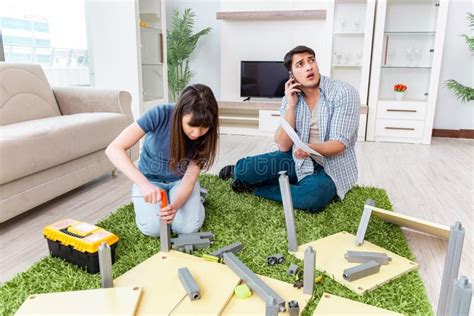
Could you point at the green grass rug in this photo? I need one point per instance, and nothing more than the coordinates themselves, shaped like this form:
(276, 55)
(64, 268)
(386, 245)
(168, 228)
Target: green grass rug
(260, 225)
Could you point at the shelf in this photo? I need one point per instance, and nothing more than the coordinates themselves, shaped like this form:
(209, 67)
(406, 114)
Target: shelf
(411, 33)
(153, 101)
(238, 118)
(272, 15)
(349, 33)
(346, 66)
(406, 67)
(404, 101)
(151, 29)
(249, 105)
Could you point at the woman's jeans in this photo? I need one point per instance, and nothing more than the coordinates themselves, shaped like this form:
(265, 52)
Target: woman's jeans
(188, 219)
(311, 194)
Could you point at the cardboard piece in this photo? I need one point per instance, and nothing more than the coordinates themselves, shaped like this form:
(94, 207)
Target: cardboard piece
(330, 259)
(163, 293)
(254, 305)
(335, 305)
(109, 301)
(416, 224)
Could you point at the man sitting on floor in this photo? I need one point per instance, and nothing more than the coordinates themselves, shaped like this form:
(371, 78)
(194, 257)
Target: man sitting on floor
(325, 115)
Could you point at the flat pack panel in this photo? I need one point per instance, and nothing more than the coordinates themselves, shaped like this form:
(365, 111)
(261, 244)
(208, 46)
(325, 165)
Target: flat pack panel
(109, 301)
(420, 225)
(335, 305)
(216, 283)
(163, 293)
(254, 305)
(330, 259)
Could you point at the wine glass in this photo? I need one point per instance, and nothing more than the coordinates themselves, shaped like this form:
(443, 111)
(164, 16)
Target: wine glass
(338, 57)
(342, 24)
(358, 58)
(409, 55)
(357, 24)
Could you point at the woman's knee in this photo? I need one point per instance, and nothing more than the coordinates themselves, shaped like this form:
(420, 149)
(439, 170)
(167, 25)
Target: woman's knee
(150, 228)
(187, 225)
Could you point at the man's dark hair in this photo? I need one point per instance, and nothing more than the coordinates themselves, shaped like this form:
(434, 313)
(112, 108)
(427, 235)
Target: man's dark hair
(297, 50)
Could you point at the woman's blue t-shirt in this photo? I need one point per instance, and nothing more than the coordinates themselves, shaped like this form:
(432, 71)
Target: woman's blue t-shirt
(155, 153)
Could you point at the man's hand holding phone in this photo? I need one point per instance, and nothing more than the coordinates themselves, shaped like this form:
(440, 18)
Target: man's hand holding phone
(291, 91)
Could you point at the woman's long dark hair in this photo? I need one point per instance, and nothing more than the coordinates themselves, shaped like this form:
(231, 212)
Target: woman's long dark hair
(199, 101)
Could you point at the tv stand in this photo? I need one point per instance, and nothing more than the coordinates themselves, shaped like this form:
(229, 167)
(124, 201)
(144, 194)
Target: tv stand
(259, 117)
(255, 117)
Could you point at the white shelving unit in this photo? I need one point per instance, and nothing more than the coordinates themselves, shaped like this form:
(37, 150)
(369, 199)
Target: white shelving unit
(352, 48)
(408, 50)
(127, 43)
(153, 61)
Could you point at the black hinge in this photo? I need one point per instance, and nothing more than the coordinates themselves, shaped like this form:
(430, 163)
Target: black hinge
(431, 50)
(436, 4)
(426, 94)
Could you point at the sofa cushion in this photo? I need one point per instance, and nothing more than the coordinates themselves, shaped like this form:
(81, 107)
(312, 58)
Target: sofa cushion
(29, 147)
(25, 94)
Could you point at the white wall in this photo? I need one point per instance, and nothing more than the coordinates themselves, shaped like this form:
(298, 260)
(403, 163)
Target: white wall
(205, 60)
(112, 36)
(457, 64)
(269, 40)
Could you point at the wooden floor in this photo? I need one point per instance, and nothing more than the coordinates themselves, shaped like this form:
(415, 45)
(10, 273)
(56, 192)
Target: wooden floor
(433, 182)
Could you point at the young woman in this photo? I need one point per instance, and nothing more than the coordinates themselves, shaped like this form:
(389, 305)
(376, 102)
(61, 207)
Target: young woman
(180, 140)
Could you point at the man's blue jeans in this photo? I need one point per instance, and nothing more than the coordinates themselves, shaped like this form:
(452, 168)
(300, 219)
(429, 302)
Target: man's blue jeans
(310, 194)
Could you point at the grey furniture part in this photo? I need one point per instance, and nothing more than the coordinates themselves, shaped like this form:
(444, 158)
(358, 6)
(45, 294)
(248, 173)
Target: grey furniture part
(202, 235)
(292, 269)
(271, 308)
(451, 267)
(293, 308)
(203, 193)
(308, 276)
(191, 245)
(189, 284)
(274, 259)
(193, 241)
(105, 265)
(361, 271)
(287, 202)
(234, 248)
(364, 222)
(253, 281)
(165, 236)
(461, 297)
(364, 256)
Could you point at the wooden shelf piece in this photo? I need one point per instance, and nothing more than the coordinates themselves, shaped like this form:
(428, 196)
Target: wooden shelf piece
(272, 15)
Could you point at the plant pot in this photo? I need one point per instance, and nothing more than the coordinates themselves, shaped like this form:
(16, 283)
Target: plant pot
(399, 95)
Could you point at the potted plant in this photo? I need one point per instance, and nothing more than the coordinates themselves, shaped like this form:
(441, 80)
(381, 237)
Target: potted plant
(399, 89)
(463, 92)
(181, 43)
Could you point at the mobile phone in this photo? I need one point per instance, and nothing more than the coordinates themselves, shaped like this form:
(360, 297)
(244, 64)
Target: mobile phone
(292, 77)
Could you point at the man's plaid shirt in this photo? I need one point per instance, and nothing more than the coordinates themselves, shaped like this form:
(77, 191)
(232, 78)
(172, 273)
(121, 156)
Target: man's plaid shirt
(338, 119)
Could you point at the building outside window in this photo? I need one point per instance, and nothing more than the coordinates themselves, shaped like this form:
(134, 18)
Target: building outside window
(51, 33)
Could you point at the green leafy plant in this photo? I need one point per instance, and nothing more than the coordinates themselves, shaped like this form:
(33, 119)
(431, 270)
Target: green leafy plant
(181, 43)
(464, 93)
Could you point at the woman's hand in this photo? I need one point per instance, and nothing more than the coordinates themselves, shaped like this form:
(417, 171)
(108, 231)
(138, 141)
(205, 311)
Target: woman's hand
(167, 213)
(151, 194)
(301, 154)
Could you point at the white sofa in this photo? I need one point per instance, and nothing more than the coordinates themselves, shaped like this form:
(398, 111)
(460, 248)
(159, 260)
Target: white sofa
(53, 140)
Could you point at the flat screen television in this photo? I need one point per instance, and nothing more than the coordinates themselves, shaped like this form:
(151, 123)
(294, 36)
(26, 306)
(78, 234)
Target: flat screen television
(264, 79)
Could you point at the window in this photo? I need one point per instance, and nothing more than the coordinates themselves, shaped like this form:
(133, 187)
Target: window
(51, 33)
